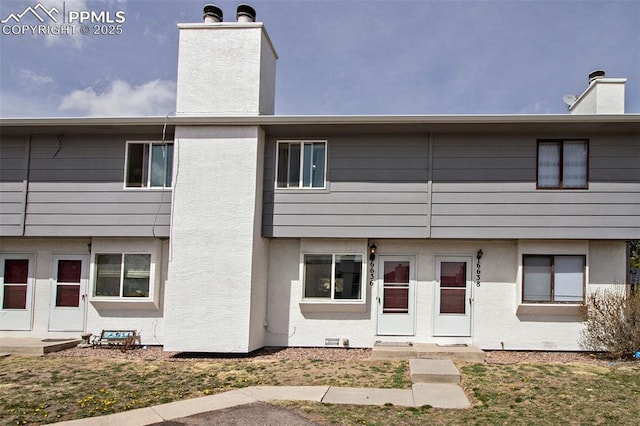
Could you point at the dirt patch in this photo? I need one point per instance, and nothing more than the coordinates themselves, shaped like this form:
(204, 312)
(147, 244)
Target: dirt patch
(519, 357)
(155, 353)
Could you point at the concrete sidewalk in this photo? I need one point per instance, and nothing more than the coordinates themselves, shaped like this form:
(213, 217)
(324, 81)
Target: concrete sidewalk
(435, 383)
(441, 396)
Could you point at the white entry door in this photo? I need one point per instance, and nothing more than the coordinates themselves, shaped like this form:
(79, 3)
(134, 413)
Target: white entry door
(68, 293)
(16, 291)
(396, 296)
(453, 297)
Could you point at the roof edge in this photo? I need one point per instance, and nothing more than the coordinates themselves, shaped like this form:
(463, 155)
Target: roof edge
(266, 120)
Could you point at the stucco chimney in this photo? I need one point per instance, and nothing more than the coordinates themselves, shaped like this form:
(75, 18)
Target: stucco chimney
(225, 67)
(603, 96)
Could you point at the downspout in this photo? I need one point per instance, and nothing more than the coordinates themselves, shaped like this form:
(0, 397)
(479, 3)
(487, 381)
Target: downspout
(429, 182)
(25, 186)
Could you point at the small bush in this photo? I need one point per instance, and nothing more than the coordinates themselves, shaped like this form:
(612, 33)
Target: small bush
(613, 323)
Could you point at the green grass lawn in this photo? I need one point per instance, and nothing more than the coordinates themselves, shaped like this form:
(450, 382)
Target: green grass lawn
(523, 394)
(49, 389)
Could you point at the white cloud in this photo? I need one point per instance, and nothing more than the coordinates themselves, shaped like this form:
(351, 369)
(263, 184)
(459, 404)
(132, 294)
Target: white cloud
(76, 39)
(30, 78)
(156, 97)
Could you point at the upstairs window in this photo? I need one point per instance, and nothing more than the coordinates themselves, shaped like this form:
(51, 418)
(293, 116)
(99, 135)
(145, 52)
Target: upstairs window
(149, 165)
(563, 164)
(333, 276)
(553, 279)
(301, 164)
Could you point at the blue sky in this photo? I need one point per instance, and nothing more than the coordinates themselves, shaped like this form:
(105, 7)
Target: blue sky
(336, 57)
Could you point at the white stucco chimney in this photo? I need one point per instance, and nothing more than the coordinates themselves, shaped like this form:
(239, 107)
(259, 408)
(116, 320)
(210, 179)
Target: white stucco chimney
(225, 67)
(603, 96)
(218, 255)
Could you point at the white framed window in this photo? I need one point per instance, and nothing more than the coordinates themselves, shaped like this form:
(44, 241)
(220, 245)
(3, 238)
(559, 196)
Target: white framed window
(563, 164)
(553, 278)
(122, 275)
(301, 164)
(148, 165)
(334, 277)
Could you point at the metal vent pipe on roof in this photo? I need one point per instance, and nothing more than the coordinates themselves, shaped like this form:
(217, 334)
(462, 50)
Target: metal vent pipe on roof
(245, 13)
(212, 14)
(594, 75)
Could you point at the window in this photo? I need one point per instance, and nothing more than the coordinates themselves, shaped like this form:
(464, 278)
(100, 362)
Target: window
(301, 164)
(553, 279)
(122, 275)
(15, 283)
(333, 276)
(563, 164)
(149, 165)
(68, 283)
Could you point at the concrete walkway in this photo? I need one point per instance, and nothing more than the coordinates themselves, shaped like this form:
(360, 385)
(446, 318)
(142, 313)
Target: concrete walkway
(428, 389)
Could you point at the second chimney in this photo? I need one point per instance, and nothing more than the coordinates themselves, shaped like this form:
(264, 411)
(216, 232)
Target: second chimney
(603, 96)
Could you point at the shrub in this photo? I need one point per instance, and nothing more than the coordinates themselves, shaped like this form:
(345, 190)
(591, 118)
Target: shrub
(613, 322)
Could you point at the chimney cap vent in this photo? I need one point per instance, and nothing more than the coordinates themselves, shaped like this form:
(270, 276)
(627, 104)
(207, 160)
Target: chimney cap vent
(595, 75)
(245, 13)
(212, 13)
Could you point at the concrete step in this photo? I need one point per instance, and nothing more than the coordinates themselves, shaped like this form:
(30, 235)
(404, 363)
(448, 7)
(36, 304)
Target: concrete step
(466, 353)
(433, 371)
(35, 346)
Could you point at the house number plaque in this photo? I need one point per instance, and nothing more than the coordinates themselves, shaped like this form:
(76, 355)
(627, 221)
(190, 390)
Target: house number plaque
(478, 273)
(372, 270)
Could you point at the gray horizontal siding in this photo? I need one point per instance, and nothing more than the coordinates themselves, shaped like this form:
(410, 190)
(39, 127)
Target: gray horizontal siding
(13, 176)
(483, 159)
(534, 220)
(137, 208)
(12, 197)
(526, 209)
(615, 160)
(119, 230)
(376, 187)
(95, 219)
(474, 194)
(480, 201)
(350, 231)
(76, 188)
(547, 232)
(13, 156)
(483, 186)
